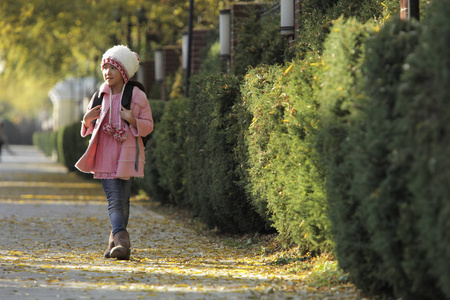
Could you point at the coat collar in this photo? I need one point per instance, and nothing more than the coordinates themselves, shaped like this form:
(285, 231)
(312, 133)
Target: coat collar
(104, 88)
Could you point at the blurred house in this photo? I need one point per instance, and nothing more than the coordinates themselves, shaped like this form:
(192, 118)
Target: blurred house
(68, 99)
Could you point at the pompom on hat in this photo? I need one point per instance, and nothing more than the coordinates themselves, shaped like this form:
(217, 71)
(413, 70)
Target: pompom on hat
(125, 60)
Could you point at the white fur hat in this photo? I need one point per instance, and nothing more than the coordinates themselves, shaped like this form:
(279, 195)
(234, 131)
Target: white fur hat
(125, 60)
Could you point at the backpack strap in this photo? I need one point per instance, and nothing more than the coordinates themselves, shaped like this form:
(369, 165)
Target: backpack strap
(98, 99)
(128, 92)
(127, 95)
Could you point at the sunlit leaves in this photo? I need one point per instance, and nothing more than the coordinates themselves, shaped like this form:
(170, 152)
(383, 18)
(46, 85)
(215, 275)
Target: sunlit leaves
(56, 243)
(42, 42)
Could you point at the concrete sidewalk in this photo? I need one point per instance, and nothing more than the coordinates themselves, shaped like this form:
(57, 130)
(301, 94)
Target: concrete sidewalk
(55, 228)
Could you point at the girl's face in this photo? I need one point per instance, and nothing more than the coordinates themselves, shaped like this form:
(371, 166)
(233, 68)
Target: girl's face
(112, 76)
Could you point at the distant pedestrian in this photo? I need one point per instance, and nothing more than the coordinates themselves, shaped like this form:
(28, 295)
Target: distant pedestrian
(116, 152)
(2, 139)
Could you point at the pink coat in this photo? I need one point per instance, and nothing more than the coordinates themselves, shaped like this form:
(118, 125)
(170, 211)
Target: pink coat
(144, 123)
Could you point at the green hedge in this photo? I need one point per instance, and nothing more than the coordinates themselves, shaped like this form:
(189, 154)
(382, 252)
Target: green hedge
(211, 177)
(360, 133)
(223, 145)
(285, 181)
(150, 183)
(384, 106)
(317, 17)
(45, 141)
(70, 146)
(381, 183)
(258, 41)
(170, 151)
(67, 143)
(423, 105)
(210, 55)
(341, 100)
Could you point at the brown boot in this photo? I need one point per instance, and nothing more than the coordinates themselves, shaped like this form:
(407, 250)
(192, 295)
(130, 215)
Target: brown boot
(110, 246)
(122, 246)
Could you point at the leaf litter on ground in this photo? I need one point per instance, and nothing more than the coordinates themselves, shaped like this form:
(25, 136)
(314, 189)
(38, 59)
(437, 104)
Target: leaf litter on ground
(61, 245)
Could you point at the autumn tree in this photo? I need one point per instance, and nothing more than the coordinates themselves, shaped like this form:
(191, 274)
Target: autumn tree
(42, 42)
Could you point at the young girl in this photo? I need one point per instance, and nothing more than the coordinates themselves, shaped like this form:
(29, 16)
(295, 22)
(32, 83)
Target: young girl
(116, 152)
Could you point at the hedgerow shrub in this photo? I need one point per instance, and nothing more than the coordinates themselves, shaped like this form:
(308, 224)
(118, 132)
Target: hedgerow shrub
(150, 183)
(381, 183)
(424, 107)
(341, 100)
(43, 140)
(258, 41)
(317, 16)
(70, 146)
(170, 150)
(285, 181)
(369, 155)
(212, 164)
(210, 55)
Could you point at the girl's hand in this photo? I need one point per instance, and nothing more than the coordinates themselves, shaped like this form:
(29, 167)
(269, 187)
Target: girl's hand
(127, 115)
(91, 115)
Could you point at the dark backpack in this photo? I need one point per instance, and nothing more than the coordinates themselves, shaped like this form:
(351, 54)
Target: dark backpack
(126, 100)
